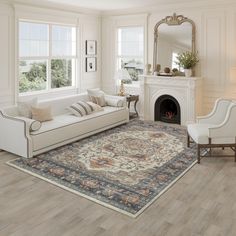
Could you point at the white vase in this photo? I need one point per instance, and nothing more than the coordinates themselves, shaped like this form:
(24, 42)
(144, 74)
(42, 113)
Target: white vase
(188, 72)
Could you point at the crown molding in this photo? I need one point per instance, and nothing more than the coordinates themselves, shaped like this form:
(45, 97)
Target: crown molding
(173, 7)
(52, 6)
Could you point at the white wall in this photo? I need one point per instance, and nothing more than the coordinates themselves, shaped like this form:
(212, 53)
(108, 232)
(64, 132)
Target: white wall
(89, 26)
(215, 42)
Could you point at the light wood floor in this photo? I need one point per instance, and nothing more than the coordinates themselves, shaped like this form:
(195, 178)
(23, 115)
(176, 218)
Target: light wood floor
(203, 202)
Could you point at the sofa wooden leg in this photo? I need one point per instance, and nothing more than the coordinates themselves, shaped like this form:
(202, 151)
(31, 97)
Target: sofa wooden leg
(198, 154)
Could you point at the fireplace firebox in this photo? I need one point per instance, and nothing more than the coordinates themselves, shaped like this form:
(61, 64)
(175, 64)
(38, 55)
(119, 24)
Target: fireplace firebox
(167, 109)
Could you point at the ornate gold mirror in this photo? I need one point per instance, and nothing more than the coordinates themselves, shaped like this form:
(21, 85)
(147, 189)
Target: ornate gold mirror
(172, 35)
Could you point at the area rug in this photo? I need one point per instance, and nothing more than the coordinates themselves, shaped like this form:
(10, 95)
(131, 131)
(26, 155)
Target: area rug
(125, 168)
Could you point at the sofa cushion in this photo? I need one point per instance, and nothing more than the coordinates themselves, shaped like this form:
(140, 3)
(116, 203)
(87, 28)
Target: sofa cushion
(68, 118)
(67, 127)
(200, 132)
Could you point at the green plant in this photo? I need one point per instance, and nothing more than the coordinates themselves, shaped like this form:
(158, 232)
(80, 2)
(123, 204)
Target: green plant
(187, 60)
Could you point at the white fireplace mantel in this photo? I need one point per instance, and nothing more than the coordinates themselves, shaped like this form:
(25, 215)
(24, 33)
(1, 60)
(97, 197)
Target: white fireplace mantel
(187, 91)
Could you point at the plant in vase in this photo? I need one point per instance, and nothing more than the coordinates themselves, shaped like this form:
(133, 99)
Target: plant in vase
(187, 60)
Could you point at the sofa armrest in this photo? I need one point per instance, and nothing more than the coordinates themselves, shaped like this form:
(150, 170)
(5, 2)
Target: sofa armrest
(15, 135)
(115, 101)
(31, 124)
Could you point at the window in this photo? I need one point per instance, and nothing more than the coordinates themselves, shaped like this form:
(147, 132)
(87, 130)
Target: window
(174, 61)
(47, 56)
(130, 53)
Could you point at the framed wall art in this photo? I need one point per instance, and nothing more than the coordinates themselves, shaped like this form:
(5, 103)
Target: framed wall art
(91, 47)
(91, 64)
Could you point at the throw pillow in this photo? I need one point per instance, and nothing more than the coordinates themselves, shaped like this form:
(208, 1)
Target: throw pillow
(42, 114)
(24, 108)
(81, 108)
(95, 92)
(99, 100)
(95, 106)
(115, 101)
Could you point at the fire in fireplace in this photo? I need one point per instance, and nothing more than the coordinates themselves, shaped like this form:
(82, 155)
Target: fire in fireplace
(167, 109)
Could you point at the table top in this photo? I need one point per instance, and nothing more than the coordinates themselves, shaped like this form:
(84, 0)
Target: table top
(132, 97)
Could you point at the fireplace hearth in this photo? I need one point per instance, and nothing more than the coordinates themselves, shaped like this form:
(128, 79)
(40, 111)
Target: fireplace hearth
(167, 109)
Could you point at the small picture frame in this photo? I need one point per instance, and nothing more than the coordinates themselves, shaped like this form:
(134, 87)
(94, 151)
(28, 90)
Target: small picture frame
(91, 64)
(91, 47)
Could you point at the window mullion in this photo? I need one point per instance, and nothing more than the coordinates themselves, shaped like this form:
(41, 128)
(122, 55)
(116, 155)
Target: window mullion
(50, 58)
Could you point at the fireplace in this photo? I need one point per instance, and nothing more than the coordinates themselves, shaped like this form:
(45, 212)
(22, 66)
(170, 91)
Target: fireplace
(167, 109)
(185, 93)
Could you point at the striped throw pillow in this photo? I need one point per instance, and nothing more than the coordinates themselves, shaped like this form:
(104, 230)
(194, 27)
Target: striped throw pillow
(81, 108)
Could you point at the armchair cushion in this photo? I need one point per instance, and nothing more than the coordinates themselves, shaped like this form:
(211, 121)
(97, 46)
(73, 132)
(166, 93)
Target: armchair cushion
(200, 132)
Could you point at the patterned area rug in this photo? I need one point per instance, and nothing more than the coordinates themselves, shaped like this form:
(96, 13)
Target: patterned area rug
(125, 168)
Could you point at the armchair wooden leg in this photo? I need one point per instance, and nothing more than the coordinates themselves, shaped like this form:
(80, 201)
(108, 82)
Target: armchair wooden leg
(198, 154)
(235, 153)
(188, 140)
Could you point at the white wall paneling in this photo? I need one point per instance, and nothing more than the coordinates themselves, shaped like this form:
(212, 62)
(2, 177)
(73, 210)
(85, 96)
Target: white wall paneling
(7, 55)
(90, 27)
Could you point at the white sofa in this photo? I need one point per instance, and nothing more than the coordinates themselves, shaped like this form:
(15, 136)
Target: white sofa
(16, 136)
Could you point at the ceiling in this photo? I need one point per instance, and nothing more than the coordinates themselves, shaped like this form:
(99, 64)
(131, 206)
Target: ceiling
(106, 5)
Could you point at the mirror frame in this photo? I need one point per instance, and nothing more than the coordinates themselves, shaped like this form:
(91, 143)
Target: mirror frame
(170, 21)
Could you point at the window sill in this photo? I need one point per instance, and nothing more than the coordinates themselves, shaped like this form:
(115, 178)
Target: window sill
(42, 95)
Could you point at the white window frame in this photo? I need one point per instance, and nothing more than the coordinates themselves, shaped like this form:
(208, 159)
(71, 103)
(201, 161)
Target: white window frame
(131, 57)
(48, 59)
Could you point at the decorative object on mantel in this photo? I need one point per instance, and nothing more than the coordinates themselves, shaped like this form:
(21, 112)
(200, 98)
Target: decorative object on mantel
(167, 70)
(158, 68)
(148, 69)
(187, 60)
(125, 169)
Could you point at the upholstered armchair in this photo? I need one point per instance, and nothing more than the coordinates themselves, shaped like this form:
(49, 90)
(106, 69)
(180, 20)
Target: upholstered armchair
(217, 129)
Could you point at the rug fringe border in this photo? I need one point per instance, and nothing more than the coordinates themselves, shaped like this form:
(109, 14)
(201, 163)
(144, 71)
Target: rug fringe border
(98, 201)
